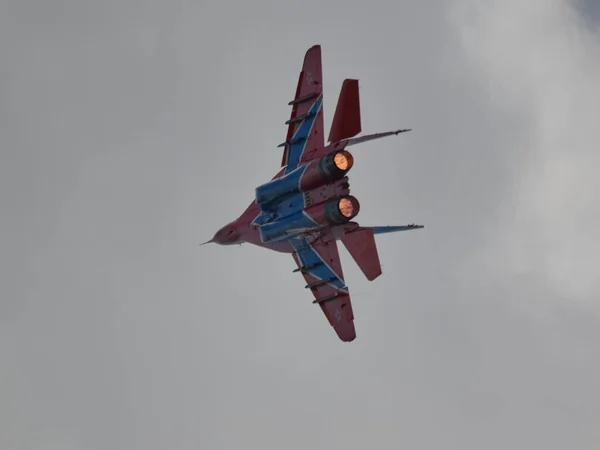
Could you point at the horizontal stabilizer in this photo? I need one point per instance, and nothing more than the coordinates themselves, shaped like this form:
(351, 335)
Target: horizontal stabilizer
(346, 120)
(363, 249)
(372, 137)
(393, 229)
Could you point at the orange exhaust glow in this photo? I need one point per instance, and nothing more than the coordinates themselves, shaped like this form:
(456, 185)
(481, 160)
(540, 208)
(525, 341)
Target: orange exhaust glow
(346, 207)
(343, 160)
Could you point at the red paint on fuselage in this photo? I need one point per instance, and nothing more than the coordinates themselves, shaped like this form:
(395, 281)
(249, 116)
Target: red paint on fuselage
(241, 230)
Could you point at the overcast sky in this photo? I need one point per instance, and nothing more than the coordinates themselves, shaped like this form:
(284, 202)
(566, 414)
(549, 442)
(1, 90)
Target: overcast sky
(130, 131)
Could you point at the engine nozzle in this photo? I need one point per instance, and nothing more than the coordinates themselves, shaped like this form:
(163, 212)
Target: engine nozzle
(336, 164)
(341, 210)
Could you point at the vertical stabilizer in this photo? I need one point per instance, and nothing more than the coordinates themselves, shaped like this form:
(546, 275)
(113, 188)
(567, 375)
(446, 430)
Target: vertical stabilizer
(346, 120)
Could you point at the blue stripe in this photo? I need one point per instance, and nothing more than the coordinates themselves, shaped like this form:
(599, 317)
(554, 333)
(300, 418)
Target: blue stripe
(309, 257)
(272, 212)
(263, 218)
(302, 132)
(286, 227)
(269, 194)
(291, 205)
(283, 207)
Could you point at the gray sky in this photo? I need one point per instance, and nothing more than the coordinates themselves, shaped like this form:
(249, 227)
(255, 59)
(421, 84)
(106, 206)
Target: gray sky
(130, 131)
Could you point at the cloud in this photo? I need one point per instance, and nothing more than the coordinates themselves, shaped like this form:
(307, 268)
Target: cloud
(540, 62)
(132, 131)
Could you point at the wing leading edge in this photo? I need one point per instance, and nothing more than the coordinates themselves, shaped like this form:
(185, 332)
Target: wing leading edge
(305, 126)
(319, 263)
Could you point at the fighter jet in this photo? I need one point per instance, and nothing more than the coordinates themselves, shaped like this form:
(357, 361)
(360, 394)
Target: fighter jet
(307, 207)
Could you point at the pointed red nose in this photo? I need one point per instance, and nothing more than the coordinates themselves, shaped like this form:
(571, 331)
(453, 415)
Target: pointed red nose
(228, 235)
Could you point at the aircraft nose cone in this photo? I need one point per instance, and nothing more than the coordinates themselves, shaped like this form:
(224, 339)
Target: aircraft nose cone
(226, 236)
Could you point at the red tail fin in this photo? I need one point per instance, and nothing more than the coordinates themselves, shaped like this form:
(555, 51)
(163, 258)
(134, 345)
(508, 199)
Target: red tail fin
(346, 121)
(361, 245)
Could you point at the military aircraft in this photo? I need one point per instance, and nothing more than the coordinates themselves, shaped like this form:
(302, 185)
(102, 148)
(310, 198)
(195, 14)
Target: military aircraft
(307, 207)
